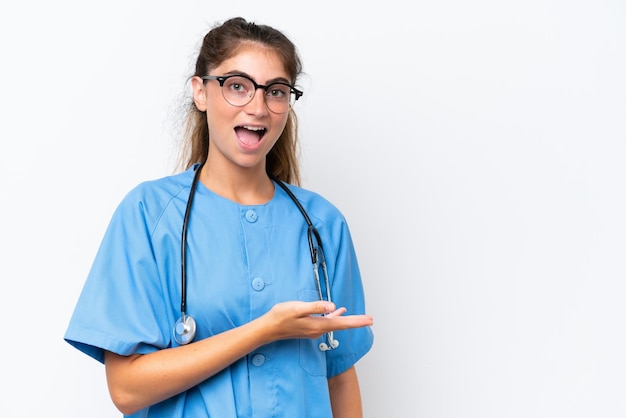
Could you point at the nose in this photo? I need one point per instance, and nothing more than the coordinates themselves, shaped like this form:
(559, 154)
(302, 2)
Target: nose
(257, 105)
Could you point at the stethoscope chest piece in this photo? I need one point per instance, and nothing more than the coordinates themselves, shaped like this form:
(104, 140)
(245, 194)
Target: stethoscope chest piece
(184, 330)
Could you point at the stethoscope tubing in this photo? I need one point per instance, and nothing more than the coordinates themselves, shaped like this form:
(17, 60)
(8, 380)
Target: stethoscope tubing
(185, 328)
(183, 246)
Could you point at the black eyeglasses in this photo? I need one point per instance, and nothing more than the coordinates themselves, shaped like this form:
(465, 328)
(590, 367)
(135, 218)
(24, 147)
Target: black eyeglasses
(239, 90)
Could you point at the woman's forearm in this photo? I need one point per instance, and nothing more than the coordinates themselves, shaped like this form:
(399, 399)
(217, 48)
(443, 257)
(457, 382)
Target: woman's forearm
(345, 395)
(138, 381)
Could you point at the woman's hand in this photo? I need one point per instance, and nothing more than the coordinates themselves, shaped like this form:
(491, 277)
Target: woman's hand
(297, 319)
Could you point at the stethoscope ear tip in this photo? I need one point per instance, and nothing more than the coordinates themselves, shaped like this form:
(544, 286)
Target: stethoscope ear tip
(326, 347)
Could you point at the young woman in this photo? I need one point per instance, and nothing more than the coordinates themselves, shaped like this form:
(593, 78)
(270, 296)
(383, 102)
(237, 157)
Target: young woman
(207, 297)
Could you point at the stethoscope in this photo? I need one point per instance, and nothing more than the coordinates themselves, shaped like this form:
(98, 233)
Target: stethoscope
(185, 328)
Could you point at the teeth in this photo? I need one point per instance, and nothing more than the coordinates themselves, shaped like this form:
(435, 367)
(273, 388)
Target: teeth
(253, 128)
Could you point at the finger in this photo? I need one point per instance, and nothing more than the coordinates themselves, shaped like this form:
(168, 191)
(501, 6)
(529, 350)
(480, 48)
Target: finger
(337, 312)
(348, 321)
(321, 307)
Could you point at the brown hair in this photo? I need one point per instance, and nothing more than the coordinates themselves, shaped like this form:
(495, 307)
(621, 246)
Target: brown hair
(219, 44)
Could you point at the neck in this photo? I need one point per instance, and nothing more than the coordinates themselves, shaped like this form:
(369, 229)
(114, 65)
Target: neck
(246, 186)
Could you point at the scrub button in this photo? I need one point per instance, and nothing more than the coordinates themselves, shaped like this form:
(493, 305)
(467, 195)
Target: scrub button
(258, 284)
(258, 360)
(252, 216)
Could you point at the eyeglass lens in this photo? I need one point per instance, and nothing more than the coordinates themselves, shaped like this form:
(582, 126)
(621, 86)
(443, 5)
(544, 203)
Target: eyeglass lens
(239, 91)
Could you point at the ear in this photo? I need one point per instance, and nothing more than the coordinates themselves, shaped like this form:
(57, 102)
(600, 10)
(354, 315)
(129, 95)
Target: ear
(199, 93)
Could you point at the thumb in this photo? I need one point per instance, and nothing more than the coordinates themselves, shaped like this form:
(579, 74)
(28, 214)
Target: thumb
(323, 307)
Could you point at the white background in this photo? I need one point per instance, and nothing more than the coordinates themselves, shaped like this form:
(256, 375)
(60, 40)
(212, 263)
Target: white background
(477, 149)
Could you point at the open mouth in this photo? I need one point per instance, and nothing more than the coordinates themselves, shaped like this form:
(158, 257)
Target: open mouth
(250, 135)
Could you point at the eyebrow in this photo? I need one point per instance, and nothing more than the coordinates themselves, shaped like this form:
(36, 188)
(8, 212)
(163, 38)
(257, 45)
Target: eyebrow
(268, 82)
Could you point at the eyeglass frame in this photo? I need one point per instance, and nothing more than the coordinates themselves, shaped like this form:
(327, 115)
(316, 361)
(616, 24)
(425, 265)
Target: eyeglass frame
(222, 79)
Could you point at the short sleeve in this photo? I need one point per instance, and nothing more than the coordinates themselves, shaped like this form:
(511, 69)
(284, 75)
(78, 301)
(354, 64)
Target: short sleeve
(347, 291)
(120, 308)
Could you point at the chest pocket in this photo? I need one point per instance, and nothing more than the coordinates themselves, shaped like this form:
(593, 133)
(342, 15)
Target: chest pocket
(312, 359)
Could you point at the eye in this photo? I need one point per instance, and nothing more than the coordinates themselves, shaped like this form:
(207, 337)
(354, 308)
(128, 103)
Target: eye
(238, 85)
(278, 91)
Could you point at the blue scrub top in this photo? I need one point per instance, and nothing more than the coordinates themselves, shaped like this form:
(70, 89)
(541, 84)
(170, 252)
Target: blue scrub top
(241, 260)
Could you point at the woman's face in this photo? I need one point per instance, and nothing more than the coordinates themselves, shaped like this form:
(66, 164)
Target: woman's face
(242, 136)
